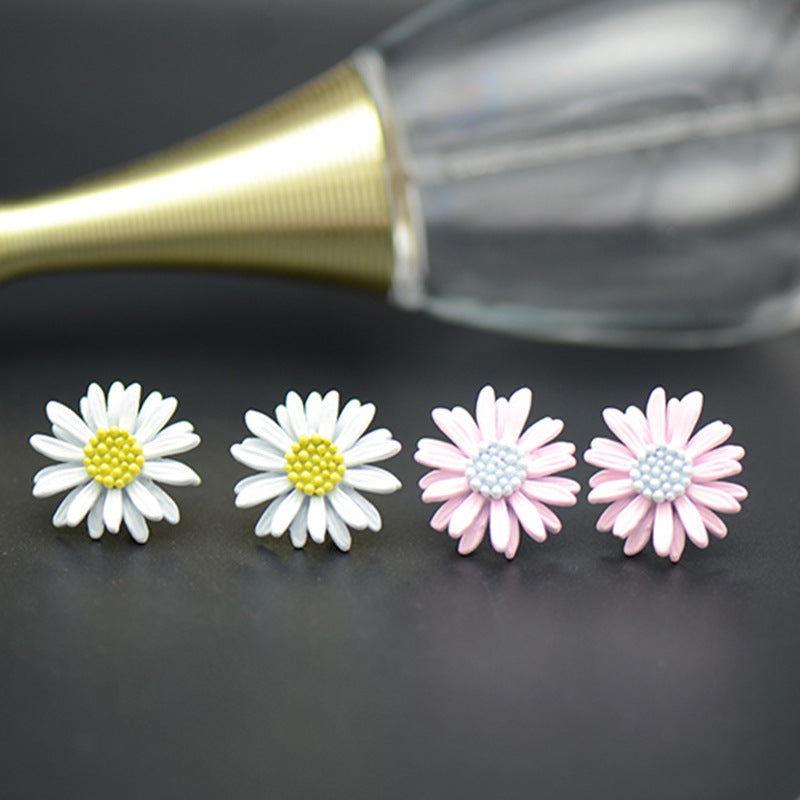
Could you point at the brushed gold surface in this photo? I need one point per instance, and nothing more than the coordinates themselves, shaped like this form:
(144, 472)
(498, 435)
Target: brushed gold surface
(299, 187)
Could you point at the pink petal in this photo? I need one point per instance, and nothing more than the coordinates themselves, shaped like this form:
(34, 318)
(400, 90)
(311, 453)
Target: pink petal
(501, 415)
(713, 434)
(621, 427)
(631, 515)
(728, 452)
(519, 407)
(555, 494)
(692, 521)
(433, 453)
(683, 418)
(610, 491)
(606, 475)
(466, 513)
(445, 489)
(607, 519)
(639, 536)
(441, 519)
(474, 534)
(528, 516)
(551, 458)
(713, 523)
(453, 428)
(663, 529)
(513, 535)
(499, 525)
(657, 415)
(465, 419)
(540, 433)
(638, 422)
(714, 470)
(617, 457)
(485, 414)
(429, 478)
(735, 490)
(678, 541)
(673, 409)
(551, 521)
(715, 499)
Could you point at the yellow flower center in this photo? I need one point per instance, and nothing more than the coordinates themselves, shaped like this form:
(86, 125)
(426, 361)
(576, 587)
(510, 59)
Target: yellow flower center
(113, 457)
(314, 464)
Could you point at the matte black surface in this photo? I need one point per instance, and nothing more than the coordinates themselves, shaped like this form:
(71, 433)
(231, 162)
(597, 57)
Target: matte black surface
(212, 664)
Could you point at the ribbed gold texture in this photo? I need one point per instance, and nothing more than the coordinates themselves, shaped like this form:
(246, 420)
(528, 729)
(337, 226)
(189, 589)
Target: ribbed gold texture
(298, 187)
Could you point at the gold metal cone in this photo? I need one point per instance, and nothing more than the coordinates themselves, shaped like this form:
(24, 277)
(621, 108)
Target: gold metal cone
(299, 187)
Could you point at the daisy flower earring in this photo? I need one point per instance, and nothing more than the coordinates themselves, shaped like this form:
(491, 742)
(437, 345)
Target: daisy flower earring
(663, 482)
(495, 476)
(312, 465)
(111, 459)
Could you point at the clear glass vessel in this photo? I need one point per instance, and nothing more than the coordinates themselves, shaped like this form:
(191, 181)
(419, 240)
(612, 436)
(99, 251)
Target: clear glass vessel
(598, 170)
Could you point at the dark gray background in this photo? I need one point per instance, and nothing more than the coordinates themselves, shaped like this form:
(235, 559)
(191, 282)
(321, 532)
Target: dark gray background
(212, 664)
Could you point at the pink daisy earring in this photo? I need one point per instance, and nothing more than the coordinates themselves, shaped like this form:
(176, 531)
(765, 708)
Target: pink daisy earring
(663, 482)
(495, 476)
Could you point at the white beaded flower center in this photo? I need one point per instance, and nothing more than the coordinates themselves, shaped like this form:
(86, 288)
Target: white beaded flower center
(663, 473)
(497, 470)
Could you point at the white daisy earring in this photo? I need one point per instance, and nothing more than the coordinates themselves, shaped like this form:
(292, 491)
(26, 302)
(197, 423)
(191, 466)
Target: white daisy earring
(312, 465)
(111, 459)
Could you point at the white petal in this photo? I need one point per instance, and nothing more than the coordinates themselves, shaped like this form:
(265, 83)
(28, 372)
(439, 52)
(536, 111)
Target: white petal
(68, 435)
(83, 502)
(261, 489)
(327, 414)
(252, 480)
(298, 530)
(340, 536)
(129, 407)
(297, 414)
(282, 415)
(265, 520)
(149, 426)
(289, 508)
(45, 472)
(112, 510)
(317, 518)
(171, 472)
(164, 445)
(268, 430)
(374, 521)
(349, 411)
(147, 504)
(115, 393)
(56, 449)
(66, 418)
(169, 508)
(371, 479)
(60, 516)
(93, 407)
(378, 435)
(257, 458)
(59, 478)
(313, 406)
(358, 421)
(364, 452)
(134, 521)
(95, 521)
(150, 405)
(177, 429)
(347, 508)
